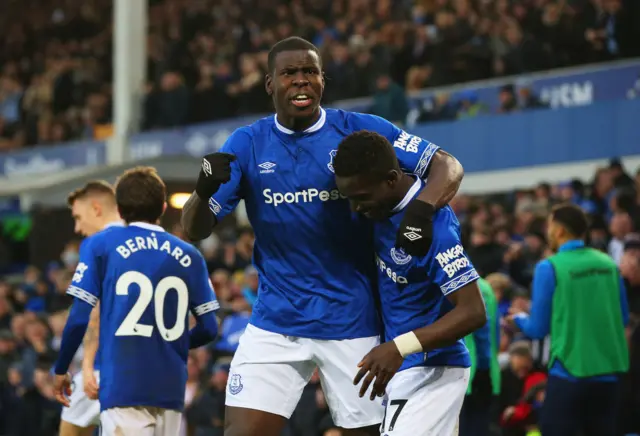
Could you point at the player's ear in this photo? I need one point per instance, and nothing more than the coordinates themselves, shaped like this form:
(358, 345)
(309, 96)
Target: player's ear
(97, 209)
(268, 84)
(392, 177)
(164, 208)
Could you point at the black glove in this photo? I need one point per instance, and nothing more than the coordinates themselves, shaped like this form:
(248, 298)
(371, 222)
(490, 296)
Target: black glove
(215, 170)
(416, 229)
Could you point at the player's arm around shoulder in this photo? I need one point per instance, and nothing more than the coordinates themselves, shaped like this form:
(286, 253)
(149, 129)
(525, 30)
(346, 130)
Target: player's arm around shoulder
(218, 171)
(445, 174)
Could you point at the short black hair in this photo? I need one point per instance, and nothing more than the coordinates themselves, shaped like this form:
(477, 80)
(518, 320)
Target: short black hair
(140, 195)
(365, 153)
(292, 43)
(572, 218)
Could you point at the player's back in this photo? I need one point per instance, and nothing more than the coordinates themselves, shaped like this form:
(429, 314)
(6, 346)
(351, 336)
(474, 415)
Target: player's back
(144, 316)
(413, 289)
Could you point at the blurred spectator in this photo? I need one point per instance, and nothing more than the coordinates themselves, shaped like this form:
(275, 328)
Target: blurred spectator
(486, 255)
(389, 101)
(521, 396)
(620, 227)
(508, 100)
(168, 106)
(620, 176)
(470, 107)
(527, 99)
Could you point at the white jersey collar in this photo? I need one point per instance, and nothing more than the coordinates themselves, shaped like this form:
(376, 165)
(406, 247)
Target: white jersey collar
(316, 126)
(409, 195)
(147, 226)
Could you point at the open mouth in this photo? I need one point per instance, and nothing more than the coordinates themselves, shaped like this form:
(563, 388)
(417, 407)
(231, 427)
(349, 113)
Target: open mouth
(302, 100)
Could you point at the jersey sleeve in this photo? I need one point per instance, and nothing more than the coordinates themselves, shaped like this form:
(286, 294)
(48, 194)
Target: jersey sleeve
(414, 153)
(226, 199)
(86, 284)
(448, 263)
(202, 297)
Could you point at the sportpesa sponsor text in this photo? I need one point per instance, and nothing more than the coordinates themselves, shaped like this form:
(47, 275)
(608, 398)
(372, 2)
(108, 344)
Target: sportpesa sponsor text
(304, 196)
(277, 198)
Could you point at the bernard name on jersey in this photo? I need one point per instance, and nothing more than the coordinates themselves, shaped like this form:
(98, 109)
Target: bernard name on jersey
(138, 243)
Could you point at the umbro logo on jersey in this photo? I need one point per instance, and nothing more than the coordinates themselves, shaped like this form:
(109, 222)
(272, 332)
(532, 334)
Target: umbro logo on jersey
(267, 167)
(206, 167)
(412, 236)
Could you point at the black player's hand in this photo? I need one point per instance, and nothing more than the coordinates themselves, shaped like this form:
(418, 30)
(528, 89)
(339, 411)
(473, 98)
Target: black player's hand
(380, 363)
(215, 170)
(416, 229)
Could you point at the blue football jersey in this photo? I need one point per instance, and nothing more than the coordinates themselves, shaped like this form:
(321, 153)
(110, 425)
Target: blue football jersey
(146, 280)
(314, 256)
(413, 290)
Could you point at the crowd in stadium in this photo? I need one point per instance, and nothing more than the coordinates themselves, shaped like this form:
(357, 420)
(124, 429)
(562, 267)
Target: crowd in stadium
(206, 62)
(207, 59)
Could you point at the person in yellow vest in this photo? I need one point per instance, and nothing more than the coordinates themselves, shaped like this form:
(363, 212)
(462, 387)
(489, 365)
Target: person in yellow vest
(579, 299)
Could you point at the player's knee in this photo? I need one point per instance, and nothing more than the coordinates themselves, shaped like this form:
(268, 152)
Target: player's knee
(333, 432)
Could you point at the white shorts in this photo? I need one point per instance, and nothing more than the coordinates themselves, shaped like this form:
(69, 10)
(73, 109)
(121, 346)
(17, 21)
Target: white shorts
(269, 371)
(425, 401)
(140, 421)
(83, 411)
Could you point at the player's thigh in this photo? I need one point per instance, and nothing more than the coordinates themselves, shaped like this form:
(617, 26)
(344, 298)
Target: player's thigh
(240, 421)
(82, 412)
(168, 422)
(68, 429)
(128, 421)
(338, 364)
(267, 376)
(425, 401)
